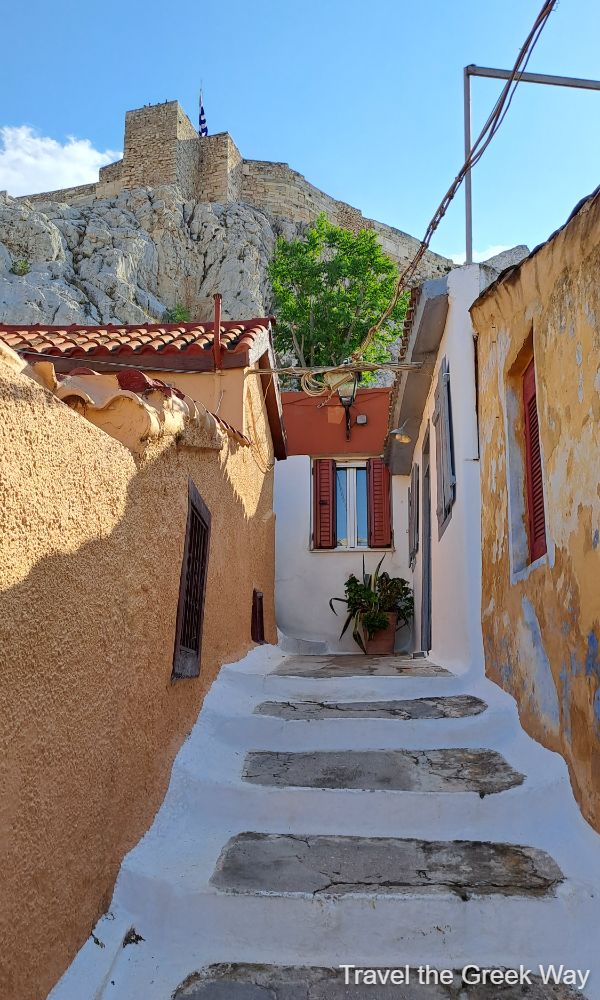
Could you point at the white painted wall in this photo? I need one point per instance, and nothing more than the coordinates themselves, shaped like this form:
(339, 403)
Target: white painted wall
(305, 579)
(456, 557)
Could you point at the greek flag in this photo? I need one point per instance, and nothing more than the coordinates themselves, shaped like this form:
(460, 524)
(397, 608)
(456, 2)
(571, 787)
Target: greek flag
(202, 129)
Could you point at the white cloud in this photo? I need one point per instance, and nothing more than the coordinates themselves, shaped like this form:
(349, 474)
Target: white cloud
(480, 255)
(30, 163)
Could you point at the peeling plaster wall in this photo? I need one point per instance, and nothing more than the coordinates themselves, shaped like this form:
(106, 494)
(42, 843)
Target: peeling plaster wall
(90, 561)
(541, 622)
(456, 554)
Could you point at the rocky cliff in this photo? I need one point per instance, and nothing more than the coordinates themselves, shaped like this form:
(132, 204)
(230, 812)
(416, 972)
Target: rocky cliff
(128, 258)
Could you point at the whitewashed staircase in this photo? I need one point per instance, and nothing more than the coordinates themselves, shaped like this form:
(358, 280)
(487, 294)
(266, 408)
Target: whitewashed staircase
(183, 895)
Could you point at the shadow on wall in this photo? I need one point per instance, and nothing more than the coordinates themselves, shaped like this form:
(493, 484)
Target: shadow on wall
(90, 719)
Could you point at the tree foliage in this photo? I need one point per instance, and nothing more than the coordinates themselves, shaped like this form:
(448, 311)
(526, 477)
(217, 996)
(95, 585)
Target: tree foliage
(329, 289)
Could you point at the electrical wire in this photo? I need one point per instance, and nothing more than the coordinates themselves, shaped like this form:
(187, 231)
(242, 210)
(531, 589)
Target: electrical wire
(309, 377)
(478, 148)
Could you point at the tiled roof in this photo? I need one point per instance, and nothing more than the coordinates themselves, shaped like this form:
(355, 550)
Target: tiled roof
(189, 339)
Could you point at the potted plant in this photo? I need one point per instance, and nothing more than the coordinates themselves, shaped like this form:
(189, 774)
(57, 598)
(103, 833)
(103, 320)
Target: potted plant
(377, 606)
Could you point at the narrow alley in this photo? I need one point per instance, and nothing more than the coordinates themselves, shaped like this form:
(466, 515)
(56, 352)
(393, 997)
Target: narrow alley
(296, 836)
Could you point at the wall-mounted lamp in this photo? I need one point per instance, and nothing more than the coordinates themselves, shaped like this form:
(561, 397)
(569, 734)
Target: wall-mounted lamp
(399, 434)
(347, 393)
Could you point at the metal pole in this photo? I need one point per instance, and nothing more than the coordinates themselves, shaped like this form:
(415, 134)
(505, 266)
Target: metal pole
(554, 81)
(503, 74)
(468, 188)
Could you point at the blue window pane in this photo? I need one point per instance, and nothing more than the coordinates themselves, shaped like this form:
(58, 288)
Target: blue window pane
(362, 537)
(341, 508)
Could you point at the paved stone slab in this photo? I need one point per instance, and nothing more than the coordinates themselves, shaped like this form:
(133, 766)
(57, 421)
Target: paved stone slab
(261, 982)
(359, 666)
(258, 862)
(448, 770)
(454, 707)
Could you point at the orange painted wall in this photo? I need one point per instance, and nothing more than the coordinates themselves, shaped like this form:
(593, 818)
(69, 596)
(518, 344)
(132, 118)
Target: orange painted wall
(91, 545)
(316, 429)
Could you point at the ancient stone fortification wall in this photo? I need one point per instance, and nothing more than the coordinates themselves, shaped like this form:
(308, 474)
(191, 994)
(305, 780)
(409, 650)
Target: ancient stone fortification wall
(541, 623)
(162, 147)
(281, 191)
(90, 560)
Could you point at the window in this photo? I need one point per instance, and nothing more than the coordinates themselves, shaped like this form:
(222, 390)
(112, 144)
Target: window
(444, 448)
(536, 517)
(190, 610)
(257, 628)
(413, 516)
(351, 504)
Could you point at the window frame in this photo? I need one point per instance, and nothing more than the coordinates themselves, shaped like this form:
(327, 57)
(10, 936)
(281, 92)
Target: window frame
(445, 460)
(316, 500)
(186, 661)
(537, 544)
(351, 520)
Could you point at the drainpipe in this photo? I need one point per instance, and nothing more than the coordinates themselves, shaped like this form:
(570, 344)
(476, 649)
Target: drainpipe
(217, 332)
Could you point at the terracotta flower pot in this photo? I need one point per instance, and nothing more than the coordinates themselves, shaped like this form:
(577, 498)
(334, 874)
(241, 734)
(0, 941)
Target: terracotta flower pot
(382, 643)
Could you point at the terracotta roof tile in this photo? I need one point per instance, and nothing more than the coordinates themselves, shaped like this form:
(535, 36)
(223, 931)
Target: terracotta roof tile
(97, 341)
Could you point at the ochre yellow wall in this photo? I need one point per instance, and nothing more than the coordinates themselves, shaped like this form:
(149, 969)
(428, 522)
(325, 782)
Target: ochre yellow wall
(90, 560)
(221, 392)
(541, 625)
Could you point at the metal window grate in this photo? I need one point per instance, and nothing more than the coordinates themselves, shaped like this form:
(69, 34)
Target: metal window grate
(534, 472)
(190, 611)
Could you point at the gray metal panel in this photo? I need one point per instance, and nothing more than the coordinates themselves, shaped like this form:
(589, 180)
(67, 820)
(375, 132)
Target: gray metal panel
(413, 387)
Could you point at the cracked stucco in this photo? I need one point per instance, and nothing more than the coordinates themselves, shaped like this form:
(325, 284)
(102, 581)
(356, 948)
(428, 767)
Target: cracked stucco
(540, 621)
(336, 865)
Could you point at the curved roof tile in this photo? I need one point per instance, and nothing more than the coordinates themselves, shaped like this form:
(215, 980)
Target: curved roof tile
(95, 341)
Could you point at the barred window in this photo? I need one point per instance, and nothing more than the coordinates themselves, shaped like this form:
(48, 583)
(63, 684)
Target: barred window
(190, 610)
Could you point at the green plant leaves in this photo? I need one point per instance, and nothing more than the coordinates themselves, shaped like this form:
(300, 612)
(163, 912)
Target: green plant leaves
(369, 602)
(330, 287)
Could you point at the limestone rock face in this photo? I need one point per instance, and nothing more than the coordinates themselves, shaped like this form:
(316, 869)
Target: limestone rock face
(129, 258)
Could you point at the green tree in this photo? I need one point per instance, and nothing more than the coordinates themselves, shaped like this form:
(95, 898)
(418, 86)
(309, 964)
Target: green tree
(329, 289)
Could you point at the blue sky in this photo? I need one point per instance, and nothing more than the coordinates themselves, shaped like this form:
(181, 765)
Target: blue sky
(365, 99)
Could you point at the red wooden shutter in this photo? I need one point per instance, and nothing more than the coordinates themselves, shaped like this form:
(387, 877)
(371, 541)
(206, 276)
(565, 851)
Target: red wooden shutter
(378, 503)
(536, 516)
(324, 536)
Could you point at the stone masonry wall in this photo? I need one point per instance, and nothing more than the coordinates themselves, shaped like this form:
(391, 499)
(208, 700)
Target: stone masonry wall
(69, 195)
(150, 143)
(220, 169)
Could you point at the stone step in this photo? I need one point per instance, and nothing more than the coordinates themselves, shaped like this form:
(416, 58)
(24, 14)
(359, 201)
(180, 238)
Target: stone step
(302, 647)
(259, 982)
(448, 770)
(358, 666)
(340, 865)
(450, 707)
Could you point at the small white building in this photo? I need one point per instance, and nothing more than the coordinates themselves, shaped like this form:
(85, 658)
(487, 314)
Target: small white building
(335, 504)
